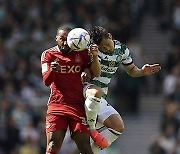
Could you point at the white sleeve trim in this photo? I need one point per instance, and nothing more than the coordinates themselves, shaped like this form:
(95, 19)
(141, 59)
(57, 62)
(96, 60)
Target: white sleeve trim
(44, 67)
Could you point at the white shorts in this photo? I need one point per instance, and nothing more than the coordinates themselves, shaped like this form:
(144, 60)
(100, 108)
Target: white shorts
(105, 109)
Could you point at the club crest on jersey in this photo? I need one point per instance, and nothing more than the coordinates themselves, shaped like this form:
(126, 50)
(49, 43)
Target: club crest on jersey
(77, 58)
(112, 64)
(119, 58)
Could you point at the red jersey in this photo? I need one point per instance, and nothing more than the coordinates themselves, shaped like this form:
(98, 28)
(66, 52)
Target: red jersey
(66, 86)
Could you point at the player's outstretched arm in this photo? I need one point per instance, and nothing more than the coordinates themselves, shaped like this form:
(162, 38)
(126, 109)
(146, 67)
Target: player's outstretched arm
(95, 66)
(146, 70)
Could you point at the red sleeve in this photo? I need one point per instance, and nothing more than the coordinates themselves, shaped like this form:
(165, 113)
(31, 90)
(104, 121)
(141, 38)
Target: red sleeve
(47, 74)
(87, 59)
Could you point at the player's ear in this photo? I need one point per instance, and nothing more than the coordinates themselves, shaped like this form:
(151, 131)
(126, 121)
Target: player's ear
(109, 36)
(56, 38)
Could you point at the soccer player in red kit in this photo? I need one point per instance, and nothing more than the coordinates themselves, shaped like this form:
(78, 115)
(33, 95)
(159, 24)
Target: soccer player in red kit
(61, 71)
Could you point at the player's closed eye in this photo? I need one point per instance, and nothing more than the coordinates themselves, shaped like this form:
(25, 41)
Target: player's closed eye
(63, 39)
(105, 48)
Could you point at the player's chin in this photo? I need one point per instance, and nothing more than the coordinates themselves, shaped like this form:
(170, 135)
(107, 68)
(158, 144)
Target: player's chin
(65, 49)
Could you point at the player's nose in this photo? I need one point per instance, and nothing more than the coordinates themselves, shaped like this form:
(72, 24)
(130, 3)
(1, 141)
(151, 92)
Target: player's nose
(107, 49)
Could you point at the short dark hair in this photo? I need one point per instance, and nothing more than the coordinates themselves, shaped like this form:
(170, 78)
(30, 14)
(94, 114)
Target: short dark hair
(97, 33)
(66, 28)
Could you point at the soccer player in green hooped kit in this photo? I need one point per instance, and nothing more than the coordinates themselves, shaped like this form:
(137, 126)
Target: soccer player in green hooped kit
(111, 55)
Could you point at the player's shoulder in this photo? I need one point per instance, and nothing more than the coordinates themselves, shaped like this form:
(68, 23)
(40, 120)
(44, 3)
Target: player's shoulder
(52, 49)
(120, 45)
(120, 48)
(48, 52)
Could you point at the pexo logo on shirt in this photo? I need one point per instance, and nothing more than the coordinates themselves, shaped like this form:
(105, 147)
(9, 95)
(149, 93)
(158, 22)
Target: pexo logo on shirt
(70, 69)
(64, 68)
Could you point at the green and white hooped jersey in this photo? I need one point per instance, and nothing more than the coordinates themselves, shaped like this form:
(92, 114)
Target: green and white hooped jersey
(110, 63)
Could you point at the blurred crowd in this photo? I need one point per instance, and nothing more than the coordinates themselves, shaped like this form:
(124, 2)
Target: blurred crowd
(27, 28)
(168, 140)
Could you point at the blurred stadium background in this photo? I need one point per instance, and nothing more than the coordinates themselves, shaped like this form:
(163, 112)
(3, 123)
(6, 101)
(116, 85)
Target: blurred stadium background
(149, 106)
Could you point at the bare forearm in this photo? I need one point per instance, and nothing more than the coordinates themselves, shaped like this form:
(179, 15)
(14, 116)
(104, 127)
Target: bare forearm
(136, 72)
(146, 70)
(96, 67)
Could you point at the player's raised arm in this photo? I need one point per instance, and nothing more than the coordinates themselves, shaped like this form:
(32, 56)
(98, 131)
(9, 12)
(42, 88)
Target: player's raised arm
(95, 66)
(146, 70)
(133, 70)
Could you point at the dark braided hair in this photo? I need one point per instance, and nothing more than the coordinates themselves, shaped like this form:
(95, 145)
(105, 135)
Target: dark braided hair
(97, 33)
